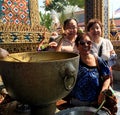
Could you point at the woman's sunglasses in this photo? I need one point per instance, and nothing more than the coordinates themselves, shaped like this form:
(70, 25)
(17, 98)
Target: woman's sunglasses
(85, 42)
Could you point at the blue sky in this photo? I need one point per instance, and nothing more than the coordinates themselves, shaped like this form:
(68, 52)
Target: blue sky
(114, 4)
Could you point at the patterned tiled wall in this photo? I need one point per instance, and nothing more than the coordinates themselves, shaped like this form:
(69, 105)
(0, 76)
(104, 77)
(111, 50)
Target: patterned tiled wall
(15, 11)
(20, 28)
(106, 19)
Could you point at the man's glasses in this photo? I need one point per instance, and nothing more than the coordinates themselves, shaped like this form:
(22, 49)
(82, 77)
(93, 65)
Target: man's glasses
(85, 42)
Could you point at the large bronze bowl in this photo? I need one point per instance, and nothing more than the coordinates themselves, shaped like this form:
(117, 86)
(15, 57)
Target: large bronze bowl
(39, 78)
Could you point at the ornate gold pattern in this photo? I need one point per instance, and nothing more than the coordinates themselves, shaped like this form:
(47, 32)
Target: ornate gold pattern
(34, 14)
(21, 37)
(19, 47)
(114, 35)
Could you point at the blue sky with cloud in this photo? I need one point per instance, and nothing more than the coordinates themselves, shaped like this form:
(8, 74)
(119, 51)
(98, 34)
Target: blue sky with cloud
(114, 5)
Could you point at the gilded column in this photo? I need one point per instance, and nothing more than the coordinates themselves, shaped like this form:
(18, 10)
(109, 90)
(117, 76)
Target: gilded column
(89, 10)
(94, 9)
(34, 12)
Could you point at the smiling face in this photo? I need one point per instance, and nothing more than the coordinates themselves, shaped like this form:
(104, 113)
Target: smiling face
(84, 44)
(95, 31)
(94, 27)
(71, 28)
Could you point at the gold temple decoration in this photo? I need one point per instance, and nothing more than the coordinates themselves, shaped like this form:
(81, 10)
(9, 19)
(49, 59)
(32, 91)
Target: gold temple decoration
(23, 37)
(113, 30)
(34, 14)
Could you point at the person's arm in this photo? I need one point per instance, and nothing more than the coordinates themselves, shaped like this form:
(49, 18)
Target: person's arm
(59, 46)
(105, 86)
(104, 72)
(110, 47)
(113, 56)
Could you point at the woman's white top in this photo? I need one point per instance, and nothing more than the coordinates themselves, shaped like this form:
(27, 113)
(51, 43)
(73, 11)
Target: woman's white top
(107, 47)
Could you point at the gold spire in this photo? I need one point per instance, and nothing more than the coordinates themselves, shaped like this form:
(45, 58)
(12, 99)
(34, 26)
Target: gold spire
(112, 25)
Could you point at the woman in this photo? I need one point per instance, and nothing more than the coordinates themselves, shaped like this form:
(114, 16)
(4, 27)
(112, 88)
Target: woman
(101, 47)
(67, 42)
(88, 90)
(93, 78)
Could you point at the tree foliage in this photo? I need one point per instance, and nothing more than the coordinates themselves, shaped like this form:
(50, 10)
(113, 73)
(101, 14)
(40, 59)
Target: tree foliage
(59, 5)
(46, 20)
(80, 3)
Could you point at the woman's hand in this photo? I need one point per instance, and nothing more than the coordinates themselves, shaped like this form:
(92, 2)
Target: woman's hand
(53, 44)
(112, 52)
